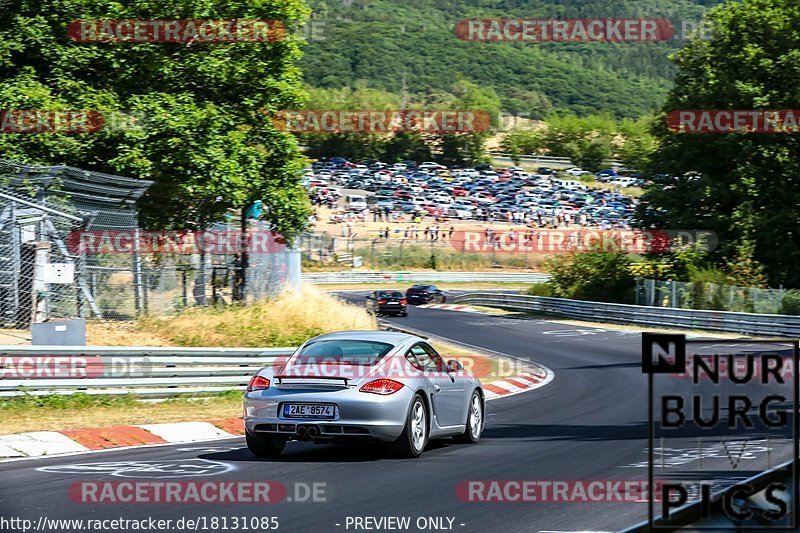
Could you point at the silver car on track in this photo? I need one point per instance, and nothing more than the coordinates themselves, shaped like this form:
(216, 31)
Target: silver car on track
(363, 385)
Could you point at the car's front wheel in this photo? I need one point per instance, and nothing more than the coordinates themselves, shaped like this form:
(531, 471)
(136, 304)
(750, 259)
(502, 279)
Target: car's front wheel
(264, 446)
(472, 433)
(412, 442)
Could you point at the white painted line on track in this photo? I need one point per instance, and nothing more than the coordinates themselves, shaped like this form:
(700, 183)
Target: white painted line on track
(186, 431)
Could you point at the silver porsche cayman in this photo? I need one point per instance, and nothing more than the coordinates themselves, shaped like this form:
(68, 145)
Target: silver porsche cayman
(363, 385)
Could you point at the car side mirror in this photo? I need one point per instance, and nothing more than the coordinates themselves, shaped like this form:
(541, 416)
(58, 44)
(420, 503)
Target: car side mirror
(454, 366)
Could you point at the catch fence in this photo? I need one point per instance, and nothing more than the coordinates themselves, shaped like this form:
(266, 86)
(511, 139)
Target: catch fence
(71, 247)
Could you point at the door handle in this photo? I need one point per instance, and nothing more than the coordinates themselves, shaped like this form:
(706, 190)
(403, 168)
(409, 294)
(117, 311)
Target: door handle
(437, 388)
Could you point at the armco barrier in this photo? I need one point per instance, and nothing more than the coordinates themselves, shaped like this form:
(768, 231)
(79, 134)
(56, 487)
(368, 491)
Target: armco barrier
(143, 372)
(320, 278)
(747, 323)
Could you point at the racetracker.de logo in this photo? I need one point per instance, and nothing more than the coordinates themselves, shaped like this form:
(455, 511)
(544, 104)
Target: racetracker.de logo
(734, 121)
(51, 367)
(388, 121)
(554, 241)
(174, 242)
(176, 31)
(41, 121)
(177, 492)
(565, 30)
(554, 491)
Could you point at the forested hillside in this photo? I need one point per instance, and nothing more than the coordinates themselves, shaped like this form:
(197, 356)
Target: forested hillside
(394, 45)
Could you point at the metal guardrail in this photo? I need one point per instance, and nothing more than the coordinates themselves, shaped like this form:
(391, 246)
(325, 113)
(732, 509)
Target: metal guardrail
(546, 159)
(726, 321)
(387, 277)
(143, 372)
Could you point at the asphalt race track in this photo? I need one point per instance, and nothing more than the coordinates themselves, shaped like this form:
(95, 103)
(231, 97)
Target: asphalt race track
(590, 423)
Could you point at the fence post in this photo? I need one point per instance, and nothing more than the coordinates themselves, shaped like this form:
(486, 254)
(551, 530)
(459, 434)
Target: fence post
(674, 294)
(372, 253)
(213, 285)
(652, 295)
(184, 287)
(137, 274)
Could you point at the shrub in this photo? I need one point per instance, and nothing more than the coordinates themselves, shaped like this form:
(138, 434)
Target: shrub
(597, 276)
(540, 289)
(790, 305)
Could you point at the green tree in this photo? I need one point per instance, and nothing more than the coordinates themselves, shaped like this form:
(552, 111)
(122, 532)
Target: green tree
(195, 118)
(745, 187)
(591, 275)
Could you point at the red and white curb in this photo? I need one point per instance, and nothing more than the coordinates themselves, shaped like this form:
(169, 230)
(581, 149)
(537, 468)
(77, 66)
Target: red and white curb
(450, 307)
(77, 441)
(46, 443)
(521, 382)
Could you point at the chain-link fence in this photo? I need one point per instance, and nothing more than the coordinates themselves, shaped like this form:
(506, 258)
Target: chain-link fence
(71, 246)
(713, 296)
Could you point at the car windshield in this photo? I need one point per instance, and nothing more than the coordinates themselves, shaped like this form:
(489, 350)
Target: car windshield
(390, 294)
(343, 352)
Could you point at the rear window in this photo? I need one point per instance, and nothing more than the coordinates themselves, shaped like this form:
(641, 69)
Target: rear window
(390, 294)
(344, 352)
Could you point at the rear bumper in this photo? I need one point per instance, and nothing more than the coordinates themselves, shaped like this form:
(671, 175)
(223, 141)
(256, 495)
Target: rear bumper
(392, 309)
(358, 415)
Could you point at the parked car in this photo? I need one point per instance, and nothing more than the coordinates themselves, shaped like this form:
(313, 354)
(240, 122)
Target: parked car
(354, 202)
(424, 294)
(545, 171)
(387, 303)
(357, 386)
(576, 171)
(606, 175)
(624, 182)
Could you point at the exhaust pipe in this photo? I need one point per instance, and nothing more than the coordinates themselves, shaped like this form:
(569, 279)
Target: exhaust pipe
(302, 431)
(313, 431)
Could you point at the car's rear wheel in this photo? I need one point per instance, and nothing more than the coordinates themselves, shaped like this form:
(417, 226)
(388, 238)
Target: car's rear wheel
(264, 446)
(472, 433)
(412, 442)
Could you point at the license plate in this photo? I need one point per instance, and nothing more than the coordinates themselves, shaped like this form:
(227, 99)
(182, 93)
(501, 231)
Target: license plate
(392, 303)
(309, 410)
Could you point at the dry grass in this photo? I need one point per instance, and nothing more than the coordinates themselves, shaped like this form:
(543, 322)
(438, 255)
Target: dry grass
(288, 320)
(51, 414)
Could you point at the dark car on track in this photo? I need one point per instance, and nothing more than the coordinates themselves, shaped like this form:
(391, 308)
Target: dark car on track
(387, 303)
(424, 294)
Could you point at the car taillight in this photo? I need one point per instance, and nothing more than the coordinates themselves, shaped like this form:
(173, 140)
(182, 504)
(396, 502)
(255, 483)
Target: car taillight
(381, 302)
(257, 383)
(403, 302)
(382, 386)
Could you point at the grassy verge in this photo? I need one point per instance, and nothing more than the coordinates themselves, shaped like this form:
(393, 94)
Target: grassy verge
(285, 321)
(51, 413)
